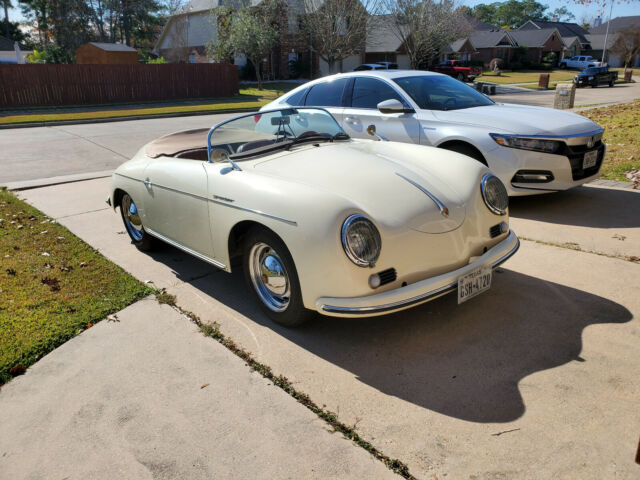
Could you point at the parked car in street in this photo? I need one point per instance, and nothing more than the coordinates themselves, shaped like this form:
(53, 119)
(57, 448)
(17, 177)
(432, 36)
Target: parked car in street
(594, 76)
(458, 69)
(376, 66)
(319, 221)
(531, 149)
(580, 62)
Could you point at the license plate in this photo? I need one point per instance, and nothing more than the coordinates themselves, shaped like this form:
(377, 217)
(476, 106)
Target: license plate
(474, 283)
(590, 159)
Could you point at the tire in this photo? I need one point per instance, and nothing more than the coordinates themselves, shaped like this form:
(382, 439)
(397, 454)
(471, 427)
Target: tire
(466, 150)
(133, 225)
(279, 296)
(461, 77)
(563, 65)
(612, 83)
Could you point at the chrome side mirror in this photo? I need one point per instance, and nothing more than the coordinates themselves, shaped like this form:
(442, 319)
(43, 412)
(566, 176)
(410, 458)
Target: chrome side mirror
(393, 106)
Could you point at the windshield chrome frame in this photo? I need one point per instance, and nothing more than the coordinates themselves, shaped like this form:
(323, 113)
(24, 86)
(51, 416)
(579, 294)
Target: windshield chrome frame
(260, 112)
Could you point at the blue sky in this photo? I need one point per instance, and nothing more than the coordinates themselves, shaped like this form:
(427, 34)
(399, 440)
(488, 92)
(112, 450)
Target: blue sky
(621, 8)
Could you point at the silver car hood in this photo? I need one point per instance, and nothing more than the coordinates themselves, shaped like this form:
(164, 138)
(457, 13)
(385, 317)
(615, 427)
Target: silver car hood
(384, 179)
(520, 119)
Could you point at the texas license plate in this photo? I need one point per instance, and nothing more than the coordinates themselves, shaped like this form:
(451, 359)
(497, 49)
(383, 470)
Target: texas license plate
(590, 159)
(474, 283)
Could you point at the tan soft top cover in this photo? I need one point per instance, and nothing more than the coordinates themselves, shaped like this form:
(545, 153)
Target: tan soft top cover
(174, 143)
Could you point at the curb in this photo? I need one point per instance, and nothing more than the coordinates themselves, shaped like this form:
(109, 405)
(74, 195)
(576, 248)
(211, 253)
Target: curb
(56, 123)
(48, 182)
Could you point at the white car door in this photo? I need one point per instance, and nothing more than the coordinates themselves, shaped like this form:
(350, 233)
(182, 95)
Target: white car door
(176, 204)
(362, 111)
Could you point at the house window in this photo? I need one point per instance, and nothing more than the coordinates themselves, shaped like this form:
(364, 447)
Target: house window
(293, 23)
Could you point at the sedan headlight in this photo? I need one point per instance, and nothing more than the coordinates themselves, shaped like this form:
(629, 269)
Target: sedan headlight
(361, 240)
(494, 194)
(524, 143)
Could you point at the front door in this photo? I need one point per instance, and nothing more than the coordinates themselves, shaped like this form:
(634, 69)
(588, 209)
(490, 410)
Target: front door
(176, 205)
(363, 111)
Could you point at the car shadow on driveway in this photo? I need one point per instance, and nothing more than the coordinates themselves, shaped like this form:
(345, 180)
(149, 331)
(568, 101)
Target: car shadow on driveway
(464, 361)
(583, 206)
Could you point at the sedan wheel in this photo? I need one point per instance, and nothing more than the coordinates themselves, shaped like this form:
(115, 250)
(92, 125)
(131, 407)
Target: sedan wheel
(271, 276)
(461, 77)
(132, 222)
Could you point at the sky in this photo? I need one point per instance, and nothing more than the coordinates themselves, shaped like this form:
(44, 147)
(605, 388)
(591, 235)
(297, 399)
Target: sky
(621, 8)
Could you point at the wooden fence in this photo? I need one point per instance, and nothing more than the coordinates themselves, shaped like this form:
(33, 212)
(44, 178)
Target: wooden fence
(58, 85)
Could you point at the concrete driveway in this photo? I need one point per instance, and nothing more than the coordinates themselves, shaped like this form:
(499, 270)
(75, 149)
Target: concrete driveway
(538, 378)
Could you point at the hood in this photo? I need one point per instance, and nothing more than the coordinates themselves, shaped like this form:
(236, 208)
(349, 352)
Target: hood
(520, 119)
(377, 179)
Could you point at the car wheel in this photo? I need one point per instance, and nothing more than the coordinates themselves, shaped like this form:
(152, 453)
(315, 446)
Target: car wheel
(612, 83)
(133, 224)
(271, 276)
(461, 77)
(466, 150)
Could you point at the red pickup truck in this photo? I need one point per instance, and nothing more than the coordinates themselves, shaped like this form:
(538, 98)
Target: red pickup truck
(458, 69)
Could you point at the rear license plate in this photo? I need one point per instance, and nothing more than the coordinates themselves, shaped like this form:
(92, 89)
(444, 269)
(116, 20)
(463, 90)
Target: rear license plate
(590, 159)
(474, 283)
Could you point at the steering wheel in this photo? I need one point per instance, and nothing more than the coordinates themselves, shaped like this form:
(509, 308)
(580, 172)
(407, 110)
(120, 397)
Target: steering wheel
(450, 103)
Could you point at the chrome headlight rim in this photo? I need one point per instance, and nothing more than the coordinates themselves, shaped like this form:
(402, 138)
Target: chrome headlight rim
(519, 142)
(346, 225)
(483, 188)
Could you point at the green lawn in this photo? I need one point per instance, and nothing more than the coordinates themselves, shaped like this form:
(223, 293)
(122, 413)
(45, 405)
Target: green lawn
(52, 286)
(533, 76)
(622, 136)
(249, 98)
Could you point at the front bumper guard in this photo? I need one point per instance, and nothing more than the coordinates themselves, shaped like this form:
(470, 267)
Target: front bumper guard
(416, 293)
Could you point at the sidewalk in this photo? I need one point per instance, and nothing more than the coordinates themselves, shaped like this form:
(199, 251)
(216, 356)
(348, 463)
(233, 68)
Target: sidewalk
(147, 396)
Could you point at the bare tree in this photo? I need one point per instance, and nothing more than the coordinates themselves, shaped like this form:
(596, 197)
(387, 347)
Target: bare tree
(337, 29)
(627, 44)
(426, 27)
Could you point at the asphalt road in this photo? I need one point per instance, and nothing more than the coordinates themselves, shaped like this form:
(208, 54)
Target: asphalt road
(44, 152)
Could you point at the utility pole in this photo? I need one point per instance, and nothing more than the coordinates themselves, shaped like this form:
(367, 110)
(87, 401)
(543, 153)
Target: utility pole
(606, 35)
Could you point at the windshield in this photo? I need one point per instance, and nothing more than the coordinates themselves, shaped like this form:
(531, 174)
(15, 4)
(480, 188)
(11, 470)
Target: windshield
(438, 92)
(258, 133)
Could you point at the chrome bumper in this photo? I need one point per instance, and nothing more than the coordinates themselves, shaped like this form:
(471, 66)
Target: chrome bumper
(416, 293)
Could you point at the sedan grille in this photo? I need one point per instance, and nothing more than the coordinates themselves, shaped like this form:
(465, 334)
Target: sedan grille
(575, 153)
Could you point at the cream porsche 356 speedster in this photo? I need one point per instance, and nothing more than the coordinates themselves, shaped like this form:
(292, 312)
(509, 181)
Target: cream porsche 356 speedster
(320, 222)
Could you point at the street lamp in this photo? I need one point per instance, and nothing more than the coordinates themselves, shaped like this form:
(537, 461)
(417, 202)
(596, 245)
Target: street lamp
(604, 50)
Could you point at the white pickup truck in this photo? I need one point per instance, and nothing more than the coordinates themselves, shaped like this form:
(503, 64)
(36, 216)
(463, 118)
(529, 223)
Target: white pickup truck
(580, 62)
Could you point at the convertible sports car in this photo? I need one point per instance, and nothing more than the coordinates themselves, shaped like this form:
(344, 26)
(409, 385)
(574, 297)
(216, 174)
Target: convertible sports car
(319, 221)
(532, 150)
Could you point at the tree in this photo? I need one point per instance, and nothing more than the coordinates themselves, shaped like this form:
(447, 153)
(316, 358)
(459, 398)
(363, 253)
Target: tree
(337, 29)
(425, 27)
(512, 13)
(250, 31)
(562, 14)
(7, 5)
(628, 44)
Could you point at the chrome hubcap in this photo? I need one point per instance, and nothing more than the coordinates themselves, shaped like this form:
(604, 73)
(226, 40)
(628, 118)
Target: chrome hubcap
(131, 218)
(269, 277)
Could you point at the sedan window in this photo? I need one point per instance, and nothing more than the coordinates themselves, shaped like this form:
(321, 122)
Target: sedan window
(296, 99)
(327, 94)
(439, 92)
(369, 92)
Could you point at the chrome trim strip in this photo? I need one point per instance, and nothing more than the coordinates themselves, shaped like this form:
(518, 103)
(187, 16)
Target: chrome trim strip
(443, 208)
(413, 300)
(257, 212)
(210, 260)
(193, 195)
(586, 134)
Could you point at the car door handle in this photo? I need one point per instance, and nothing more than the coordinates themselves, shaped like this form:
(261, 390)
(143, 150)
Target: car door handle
(351, 120)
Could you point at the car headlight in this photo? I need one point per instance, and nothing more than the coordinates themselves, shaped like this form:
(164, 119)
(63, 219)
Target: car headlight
(494, 194)
(361, 240)
(524, 143)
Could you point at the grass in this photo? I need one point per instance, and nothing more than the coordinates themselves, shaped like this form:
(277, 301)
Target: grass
(622, 136)
(532, 76)
(52, 286)
(249, 98)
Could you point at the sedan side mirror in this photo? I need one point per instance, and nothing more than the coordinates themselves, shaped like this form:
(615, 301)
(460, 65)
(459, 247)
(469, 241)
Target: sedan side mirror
(393, 106)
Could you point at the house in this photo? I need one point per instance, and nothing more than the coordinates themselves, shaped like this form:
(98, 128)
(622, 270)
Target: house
(188, 32)
(616, 28)
(383, 43)
(12, 52)
(490, 44)
(105, 54)
(574, 37)
(539, 42)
